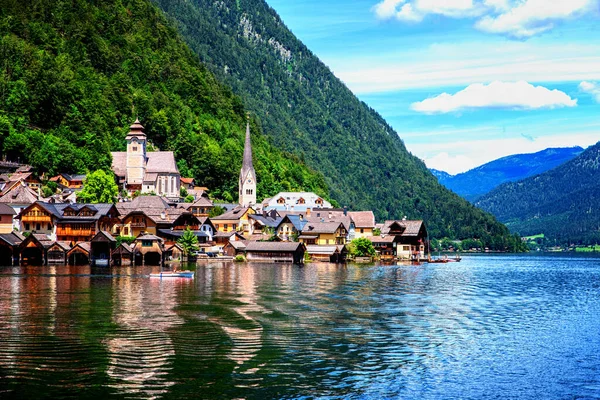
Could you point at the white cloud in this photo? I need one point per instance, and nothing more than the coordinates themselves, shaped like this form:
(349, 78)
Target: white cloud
(467, 62)
(387, 8)
(407, 13)
(511, 95)
(531, 17)
(592, 88)
(514, 18)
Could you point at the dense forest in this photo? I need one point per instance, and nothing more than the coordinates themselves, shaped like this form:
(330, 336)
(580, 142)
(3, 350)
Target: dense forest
(75, 74)
(307, 111)
(478, 181)
(560, 203)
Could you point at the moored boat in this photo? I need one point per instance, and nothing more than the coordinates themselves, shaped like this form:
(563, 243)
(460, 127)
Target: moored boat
(173, 274)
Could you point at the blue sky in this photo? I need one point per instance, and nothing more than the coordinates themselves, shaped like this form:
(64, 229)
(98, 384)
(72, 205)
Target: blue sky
(464, 81)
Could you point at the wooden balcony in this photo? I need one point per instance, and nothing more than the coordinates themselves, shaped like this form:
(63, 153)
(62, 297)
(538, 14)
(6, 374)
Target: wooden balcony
(66, 231)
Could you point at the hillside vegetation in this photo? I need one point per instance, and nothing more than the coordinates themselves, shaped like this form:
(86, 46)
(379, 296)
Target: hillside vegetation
(74, 74)
(561, 203)
(306, 110)
(478, 181)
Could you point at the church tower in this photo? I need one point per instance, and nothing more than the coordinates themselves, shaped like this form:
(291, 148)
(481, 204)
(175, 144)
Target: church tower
(247, 174)
(136, 156)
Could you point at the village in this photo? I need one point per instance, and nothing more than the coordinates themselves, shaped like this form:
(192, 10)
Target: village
(289, 227)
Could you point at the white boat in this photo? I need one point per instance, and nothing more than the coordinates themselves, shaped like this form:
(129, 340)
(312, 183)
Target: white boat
(173, 274)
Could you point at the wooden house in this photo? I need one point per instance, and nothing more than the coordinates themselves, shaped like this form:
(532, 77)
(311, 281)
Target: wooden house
(67, 181)
(290, 227)
(148, 250)
(122, 255)
(79, 254)
(289, 252)
(237, 219)
(323, 233)
(364, 223)
(7, 213)
(331, 254)
(411, 238)
(57, 253)
(9, 248)
(101, 248)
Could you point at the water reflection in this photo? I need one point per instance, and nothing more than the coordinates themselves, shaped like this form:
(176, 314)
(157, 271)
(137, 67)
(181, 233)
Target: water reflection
(487, 327)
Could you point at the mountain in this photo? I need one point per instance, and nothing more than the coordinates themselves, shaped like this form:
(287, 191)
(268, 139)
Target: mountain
(307, 111)
(561, 203)
(75, 74)
(478, 181)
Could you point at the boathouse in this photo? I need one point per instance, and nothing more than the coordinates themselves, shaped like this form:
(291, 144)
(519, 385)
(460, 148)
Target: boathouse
(290, 252)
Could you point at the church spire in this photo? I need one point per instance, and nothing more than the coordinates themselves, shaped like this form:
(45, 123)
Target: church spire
(247, 183)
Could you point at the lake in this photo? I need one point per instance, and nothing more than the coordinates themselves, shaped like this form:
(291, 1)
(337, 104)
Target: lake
(494, 327)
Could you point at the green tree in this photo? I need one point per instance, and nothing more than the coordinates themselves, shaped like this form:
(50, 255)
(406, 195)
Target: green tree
(216, 211)
(361, 247)
(189, 199)
(99, 187)
(188, 242)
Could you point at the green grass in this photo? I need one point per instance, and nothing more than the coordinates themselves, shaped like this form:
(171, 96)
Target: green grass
(587, 249)
(534, 237)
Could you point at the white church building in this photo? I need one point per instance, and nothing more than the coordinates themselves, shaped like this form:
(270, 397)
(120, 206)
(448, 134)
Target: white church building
(139, 170)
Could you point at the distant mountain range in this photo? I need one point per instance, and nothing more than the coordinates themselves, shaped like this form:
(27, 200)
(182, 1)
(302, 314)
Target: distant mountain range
(562, 203)
(479, 181)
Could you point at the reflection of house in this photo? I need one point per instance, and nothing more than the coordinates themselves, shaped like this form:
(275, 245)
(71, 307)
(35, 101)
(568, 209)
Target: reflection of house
(139, 170)
(275, 252)
(295, 201)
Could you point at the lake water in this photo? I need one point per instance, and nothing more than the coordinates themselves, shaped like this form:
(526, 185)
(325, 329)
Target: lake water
(493, 327)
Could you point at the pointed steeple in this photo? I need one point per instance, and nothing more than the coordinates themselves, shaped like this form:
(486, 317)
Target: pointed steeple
(247, 182)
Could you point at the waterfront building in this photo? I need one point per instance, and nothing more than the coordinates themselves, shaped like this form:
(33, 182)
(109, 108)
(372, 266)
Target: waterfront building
(237, 219)
(295, 201)
(145, 171)
(323, 233)
(364, 223)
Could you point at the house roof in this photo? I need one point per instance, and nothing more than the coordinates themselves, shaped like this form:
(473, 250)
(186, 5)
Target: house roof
(382, 239)
(295, 220)
(85, 246)
(411, 228)
(58, 209)
(187, 181)
(106, 234)
(238, 244)
(73, 177)
(327, 250)
(202, 202)
(266, 220)
(362, 219)
(236, 213)
(147, 236)
(12, 238)
(5, 209)
(178, 234)
(159, 162)
(273, 247)
(321, 227)
(19, 194)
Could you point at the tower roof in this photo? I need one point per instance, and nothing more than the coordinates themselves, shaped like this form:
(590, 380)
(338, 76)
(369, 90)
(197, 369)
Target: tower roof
(136, 129)
(247, 166)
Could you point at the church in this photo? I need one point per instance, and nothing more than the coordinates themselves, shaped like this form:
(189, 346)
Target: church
(139, 170)
(247, 184)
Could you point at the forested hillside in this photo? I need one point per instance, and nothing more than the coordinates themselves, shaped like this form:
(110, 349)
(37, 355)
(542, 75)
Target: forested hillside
(306, 110)
(74, 74)
(561, 203)
(478, 181)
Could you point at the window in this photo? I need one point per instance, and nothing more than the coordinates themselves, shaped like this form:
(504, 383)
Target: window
(49, 227)
(234, 227)
(126, 231)
(27, 227)
(146, 243)
(134, 148)
(225, 226)
(405, 248)
(38, 227)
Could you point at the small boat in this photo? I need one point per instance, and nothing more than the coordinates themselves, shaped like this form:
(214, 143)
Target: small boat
(173, 274)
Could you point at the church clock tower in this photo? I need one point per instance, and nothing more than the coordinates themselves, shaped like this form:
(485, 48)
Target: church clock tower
(136, 156)
(247, 174)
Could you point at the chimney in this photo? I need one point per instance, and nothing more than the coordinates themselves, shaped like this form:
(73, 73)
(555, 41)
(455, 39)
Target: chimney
(329, 216)
(307, 212)
(301, 217)
(345, 211)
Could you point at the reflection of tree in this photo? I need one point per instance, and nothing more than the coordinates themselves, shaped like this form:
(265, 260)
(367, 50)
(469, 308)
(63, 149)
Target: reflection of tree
(141, 352)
